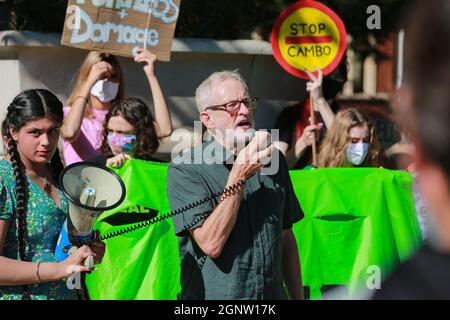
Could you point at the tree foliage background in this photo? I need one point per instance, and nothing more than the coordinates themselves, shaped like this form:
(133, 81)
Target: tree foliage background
(227, 19)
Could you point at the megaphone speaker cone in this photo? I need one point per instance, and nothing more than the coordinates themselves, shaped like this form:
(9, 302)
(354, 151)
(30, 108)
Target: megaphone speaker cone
(91, 188)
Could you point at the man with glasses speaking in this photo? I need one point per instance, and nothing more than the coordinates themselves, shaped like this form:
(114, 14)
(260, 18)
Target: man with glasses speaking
(234, 221)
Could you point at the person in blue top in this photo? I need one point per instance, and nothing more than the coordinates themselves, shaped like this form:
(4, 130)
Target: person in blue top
(32, 208)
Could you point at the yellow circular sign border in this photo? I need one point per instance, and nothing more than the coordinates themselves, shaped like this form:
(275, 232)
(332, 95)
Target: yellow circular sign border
(285, 14)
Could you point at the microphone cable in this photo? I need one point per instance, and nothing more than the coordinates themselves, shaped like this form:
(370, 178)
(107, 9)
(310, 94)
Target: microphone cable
(227, 191)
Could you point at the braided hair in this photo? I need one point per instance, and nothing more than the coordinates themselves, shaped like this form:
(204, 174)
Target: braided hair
(28, 106)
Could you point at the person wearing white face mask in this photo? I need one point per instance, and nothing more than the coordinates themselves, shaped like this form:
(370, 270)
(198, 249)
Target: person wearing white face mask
(350, 142)
(357, 153)
(358, 149)
(105, 90)
(100, 83)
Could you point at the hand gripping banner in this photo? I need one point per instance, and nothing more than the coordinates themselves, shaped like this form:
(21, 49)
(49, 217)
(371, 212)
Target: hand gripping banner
(143, 264)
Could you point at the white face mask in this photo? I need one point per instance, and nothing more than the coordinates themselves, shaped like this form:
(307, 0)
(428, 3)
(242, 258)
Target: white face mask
(105, 90)
(357, 153)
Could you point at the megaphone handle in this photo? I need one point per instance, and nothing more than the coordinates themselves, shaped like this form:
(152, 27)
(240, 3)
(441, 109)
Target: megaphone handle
(88, 262)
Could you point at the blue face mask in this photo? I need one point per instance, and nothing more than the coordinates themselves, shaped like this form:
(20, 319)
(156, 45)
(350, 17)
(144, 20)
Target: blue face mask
(123, 142)
(357, 153)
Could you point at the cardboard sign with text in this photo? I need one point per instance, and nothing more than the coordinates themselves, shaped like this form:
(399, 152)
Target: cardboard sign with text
(121, 26)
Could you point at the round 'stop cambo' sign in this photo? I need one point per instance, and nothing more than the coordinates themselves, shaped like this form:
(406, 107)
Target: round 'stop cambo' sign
(306, 35)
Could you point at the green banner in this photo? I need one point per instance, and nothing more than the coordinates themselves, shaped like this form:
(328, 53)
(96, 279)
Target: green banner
(357, 221)
(359, 224)
(142, 264)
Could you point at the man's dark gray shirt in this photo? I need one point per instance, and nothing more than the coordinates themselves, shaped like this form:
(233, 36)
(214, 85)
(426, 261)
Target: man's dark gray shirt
(250, 264)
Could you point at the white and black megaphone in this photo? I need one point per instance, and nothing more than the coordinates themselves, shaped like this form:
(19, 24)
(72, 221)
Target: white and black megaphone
(91, 189)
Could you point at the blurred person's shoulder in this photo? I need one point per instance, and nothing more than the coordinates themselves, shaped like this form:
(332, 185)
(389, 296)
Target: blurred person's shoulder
(424, 276)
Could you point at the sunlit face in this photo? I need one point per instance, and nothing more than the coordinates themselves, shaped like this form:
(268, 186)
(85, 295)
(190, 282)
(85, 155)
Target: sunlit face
(359, 134)
(37, 140)
(119, 126)
(223, 122)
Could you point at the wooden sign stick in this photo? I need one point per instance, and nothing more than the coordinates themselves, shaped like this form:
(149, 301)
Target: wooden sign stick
(312, 121)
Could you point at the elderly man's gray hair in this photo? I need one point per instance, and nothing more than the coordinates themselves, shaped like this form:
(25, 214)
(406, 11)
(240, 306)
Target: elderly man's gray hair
(204, 90)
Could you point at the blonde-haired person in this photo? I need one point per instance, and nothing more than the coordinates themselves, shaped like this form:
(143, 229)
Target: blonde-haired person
(100, 83)
(350, 142)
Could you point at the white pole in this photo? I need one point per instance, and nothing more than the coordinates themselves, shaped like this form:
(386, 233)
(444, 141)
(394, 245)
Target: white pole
(147, 23)
(400, 58)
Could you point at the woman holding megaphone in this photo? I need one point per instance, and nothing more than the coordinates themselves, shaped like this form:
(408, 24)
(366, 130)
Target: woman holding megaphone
(32, 208)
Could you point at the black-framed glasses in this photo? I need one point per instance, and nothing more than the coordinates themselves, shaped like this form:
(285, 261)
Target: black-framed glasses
(234, 106)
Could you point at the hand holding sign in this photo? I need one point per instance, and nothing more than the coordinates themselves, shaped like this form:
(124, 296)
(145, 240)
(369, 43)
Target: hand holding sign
(148, 58)
(314, 86)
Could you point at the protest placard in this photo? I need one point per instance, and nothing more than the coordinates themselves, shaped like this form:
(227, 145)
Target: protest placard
(121, 26)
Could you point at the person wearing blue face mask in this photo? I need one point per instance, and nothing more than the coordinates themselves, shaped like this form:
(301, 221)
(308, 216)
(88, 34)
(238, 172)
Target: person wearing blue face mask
(350, 142)
(100, 84)
(130, 132)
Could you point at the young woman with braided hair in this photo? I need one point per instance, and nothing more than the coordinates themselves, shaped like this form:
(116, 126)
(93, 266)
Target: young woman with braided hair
(32, 208)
